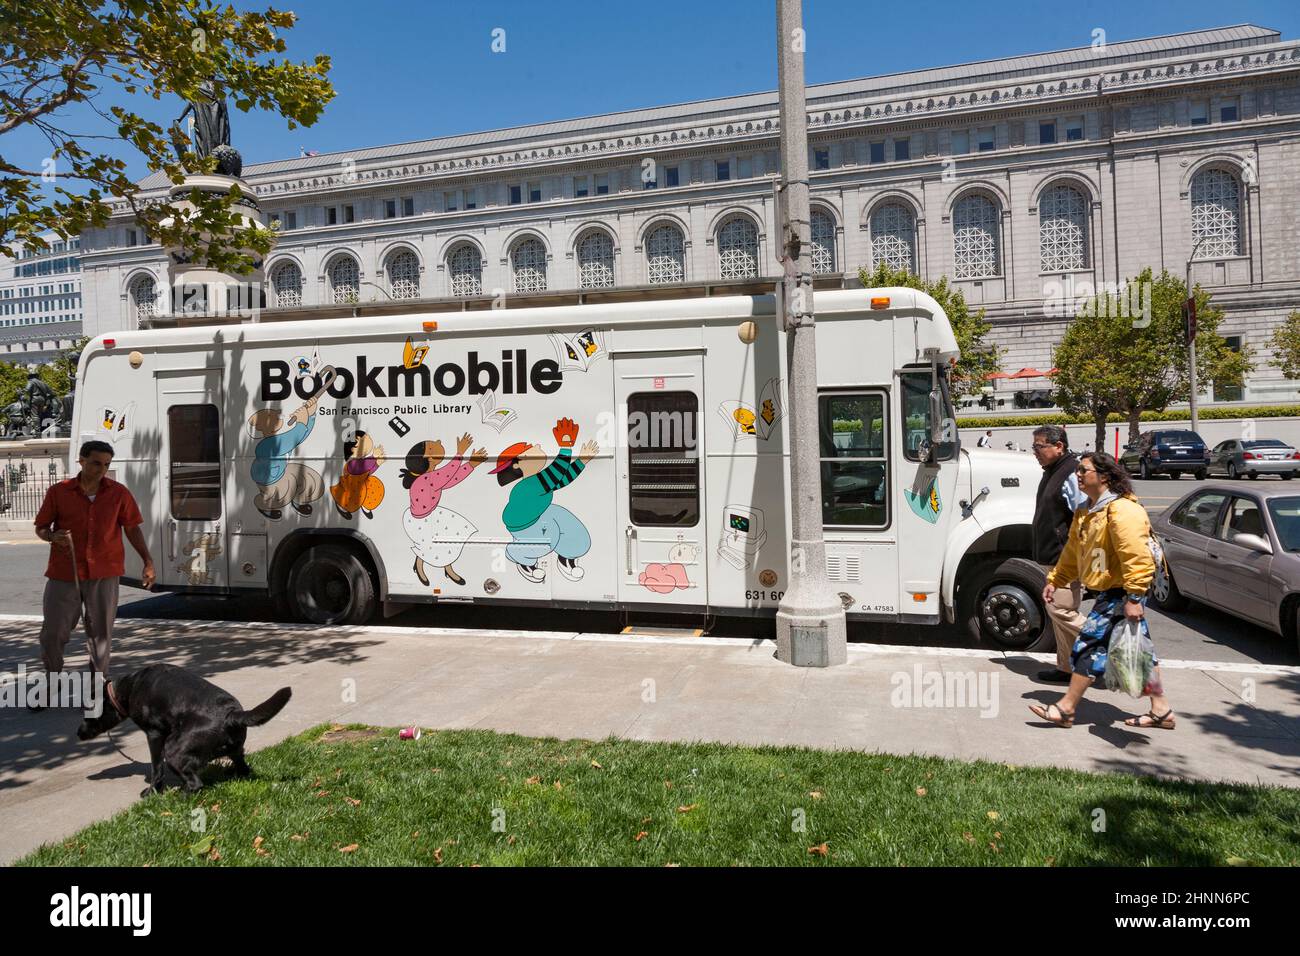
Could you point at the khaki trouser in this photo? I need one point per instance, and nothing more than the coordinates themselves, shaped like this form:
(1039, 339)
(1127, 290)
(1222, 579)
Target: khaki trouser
(1066, 619)
(299, 485)
(62, 607)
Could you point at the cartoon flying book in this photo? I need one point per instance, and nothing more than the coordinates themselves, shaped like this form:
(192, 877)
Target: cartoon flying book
(413, 355)
(577, 350)
(489, 414)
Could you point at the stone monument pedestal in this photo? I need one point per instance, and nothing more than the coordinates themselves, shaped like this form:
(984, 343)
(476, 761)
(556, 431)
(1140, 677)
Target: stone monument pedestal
(200, 292)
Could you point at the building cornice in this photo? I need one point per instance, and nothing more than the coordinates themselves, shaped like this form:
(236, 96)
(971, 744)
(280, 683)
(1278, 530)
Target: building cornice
(751, 125)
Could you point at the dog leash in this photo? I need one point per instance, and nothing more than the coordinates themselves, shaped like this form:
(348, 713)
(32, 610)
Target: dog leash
(85, 620)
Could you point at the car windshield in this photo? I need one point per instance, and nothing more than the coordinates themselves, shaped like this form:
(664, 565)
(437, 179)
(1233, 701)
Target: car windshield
(1265, 443)
(1286, 520)
(1173, 437)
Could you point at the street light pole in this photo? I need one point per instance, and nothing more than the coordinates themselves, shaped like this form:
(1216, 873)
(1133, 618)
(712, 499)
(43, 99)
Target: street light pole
(1191, 337)
(810, 624)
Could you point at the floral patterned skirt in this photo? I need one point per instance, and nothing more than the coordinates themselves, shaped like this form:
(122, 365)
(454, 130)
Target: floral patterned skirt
(1088, 657)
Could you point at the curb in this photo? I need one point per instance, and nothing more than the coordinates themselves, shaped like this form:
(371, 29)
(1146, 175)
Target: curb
(855, 650)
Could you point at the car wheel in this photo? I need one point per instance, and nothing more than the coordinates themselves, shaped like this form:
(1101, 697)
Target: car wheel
(1232, 470)
(330, 585)
(1253, 475)
(1164, 592)
(1202, 474)
(1286, 476)
(1002, 604)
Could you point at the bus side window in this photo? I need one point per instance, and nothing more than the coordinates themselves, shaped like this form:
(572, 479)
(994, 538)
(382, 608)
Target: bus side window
(663, 459)
(194, 440)
(854, 459)
(916, 416)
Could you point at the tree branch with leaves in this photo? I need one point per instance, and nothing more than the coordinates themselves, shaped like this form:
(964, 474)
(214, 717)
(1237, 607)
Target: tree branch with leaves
(61, 53)
(979, 357)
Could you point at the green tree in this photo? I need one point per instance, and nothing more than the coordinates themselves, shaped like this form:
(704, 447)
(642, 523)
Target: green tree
(1286, 346)
(60, 373)
(1128, 353)
(12, 379)
(979, 357)
(57, 54)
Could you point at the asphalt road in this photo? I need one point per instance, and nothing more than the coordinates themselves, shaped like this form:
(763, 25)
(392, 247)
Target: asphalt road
(1199, 633)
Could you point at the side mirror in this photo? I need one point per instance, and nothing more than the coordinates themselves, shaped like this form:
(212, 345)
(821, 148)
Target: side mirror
(936, 417)
(1254, 542)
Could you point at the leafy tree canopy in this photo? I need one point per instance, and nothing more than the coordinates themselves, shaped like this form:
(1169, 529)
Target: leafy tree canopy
(58, 55)
(979, 357)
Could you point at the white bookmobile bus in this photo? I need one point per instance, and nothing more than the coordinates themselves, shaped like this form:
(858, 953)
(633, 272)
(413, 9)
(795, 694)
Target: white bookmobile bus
(629, 456)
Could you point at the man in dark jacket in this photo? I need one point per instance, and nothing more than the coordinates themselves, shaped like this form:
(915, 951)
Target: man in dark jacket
(1058, 497)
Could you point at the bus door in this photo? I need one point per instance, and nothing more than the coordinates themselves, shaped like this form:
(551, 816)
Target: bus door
(193, 526)
(660, 477)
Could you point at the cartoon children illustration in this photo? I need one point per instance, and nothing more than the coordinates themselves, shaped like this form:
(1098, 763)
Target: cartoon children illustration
(359, 489)
(437, 534)
(537, 525)
(281, 481)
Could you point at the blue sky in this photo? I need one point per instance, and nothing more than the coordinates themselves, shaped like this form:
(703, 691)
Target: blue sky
(413, 70)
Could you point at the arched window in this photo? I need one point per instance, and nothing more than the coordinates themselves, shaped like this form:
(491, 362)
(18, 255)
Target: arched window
(595, 260)
(893, 237)
(737, 249)
(345, 280)
(466, 268)
(975, 227)
(1062, 229)
(143, 301)
(823, 242)
(286, 285)
(1216, 214)
(404, 275)
(665, 251)
(528, 265)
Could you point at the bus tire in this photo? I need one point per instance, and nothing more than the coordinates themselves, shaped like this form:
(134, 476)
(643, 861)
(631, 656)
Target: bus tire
(1001, 603)
(330, 584)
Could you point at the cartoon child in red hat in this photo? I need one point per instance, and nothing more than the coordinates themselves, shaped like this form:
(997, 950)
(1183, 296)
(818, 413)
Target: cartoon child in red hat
(537, 524)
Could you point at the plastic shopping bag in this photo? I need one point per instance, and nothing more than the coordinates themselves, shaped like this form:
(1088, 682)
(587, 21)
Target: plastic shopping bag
(1130, 659)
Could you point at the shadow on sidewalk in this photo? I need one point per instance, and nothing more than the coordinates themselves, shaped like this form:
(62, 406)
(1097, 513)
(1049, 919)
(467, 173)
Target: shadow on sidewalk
(44, 741)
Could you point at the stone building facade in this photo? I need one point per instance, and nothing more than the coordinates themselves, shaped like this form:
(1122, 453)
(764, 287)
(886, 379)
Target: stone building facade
(1028, 181)
(40, 301)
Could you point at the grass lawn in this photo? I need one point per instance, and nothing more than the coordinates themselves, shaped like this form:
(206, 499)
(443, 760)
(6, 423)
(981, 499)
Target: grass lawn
(355, 796)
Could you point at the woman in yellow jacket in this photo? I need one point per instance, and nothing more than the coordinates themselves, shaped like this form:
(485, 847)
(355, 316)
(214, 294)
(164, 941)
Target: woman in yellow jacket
(1108, 550)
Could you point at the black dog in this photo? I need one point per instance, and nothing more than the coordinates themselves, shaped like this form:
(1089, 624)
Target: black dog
(188, 721)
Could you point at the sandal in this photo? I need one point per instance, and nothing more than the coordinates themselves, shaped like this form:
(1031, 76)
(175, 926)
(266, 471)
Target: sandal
(1159, 721)
(1062, 718)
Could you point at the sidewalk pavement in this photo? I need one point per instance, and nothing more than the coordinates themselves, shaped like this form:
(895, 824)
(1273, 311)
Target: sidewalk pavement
(1236, 722)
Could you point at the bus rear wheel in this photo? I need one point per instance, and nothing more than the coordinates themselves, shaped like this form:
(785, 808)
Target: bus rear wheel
(329, 584)
(1001, 603)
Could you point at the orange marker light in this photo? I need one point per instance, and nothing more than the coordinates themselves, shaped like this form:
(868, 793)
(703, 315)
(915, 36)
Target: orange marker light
(431, 326)
(880, 303)
(919, 598)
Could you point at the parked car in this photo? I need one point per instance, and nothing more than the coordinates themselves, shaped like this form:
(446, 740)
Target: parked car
(1167, 451)
(1265, 456)
(1238, 551)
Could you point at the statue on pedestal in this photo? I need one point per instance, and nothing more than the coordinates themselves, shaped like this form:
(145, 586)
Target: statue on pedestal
(211, 135)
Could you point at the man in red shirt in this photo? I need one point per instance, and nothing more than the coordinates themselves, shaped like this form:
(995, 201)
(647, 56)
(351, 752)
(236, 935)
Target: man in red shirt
(83, 519)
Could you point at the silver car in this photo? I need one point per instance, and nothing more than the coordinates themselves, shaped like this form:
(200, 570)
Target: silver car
(1236, 550)
(1266, 456)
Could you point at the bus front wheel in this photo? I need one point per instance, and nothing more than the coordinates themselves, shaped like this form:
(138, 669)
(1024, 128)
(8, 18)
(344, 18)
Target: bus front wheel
(1001, 603)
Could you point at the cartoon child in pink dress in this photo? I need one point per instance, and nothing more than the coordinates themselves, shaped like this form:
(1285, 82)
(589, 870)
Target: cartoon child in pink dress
(437, 534)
